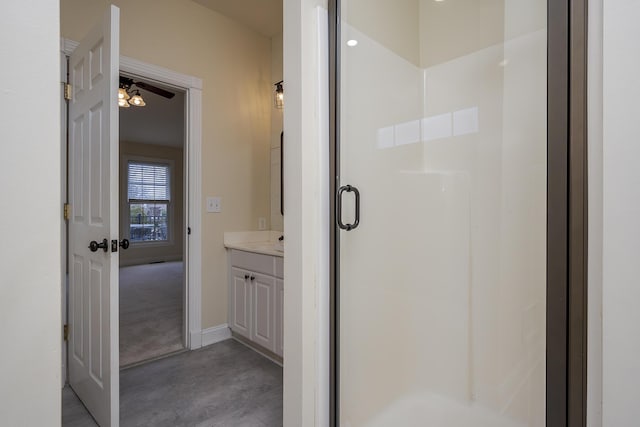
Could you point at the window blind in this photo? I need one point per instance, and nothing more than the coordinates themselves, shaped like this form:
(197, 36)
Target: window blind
(148, 181)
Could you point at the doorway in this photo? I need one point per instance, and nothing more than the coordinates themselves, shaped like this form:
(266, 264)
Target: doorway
(190, 225)
(152, 189)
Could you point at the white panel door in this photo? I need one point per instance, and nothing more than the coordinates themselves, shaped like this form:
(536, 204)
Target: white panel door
(93, 195)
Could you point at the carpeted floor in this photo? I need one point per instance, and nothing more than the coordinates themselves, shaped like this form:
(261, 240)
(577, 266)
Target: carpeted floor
(222, 385)
(150, 311)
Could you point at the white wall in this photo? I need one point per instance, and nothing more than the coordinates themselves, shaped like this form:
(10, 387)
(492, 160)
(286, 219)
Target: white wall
(30, 213)
(393, 24)
(621, 214)
(594, 120)
(303, 224)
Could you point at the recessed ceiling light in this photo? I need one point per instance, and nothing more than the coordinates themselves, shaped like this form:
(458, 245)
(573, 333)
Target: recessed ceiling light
(352, 43)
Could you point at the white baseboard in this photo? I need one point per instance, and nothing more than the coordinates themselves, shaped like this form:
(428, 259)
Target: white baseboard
(215, 334)
(265, 353)
(125, 262)
(195, 340)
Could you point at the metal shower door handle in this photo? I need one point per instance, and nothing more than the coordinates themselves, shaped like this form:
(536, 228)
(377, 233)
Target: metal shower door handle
(341, 191)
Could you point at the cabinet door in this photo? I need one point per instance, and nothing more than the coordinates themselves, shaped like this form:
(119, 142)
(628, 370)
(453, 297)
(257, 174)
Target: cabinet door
(279, 317)
(264, 306)
(241, 302)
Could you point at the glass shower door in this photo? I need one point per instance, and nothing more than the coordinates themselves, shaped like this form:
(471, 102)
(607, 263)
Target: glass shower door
(442, 275)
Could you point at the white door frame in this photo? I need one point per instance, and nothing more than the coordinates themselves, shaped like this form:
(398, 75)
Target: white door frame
(64, 285)
(193, 149)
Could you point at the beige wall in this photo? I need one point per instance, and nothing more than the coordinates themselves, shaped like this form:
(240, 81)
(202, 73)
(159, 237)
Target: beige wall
(171, 250)
(30, 214)
(277, 220)
(235, 66)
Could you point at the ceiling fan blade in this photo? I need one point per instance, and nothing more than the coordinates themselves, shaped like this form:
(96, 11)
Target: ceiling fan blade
(154, 89)
(126, 81)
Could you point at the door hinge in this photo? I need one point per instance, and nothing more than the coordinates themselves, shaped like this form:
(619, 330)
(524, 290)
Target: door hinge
(67, 211)
(67, 91)
(65, 332)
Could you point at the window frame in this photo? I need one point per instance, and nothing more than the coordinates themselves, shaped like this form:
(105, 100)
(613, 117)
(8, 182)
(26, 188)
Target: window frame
(126, 204)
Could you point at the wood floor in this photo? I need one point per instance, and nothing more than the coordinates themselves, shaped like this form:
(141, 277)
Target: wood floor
(223, 385)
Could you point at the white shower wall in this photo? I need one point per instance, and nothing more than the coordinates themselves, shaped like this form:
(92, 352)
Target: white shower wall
(443, 285)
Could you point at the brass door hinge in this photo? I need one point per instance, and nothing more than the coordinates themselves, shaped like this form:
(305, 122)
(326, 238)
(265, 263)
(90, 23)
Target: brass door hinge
(67, 91)
(67, 211)
(65, 332)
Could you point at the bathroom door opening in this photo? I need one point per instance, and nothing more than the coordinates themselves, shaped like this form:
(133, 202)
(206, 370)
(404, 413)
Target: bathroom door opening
(152, 218)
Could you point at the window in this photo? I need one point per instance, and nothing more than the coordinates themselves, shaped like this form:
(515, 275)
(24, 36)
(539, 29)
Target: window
(148, 188)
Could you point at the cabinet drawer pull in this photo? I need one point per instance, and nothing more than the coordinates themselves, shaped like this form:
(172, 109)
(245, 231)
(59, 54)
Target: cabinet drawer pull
(246, 276)
(253, 278)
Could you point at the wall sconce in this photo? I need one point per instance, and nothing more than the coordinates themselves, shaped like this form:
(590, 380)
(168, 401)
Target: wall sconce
(278, 95)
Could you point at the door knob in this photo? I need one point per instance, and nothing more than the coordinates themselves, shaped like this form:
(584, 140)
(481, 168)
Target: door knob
(124, 244)
(94, 246)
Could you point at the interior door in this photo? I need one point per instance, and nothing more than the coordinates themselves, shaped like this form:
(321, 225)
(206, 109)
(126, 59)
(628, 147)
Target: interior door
(93, 195)
(442, 213)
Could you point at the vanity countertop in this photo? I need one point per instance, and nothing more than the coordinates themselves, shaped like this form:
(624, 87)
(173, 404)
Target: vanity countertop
(262, 242)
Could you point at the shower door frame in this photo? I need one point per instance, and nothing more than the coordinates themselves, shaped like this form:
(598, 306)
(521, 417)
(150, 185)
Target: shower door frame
(566, 319)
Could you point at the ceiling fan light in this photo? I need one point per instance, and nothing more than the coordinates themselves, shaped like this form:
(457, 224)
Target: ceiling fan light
(137, 101)
(122, 94)
(123, 103)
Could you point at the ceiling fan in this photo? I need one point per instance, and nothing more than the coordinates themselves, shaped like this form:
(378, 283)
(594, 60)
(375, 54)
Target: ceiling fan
(128, 96)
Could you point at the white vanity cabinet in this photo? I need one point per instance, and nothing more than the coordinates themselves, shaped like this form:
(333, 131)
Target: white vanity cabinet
(279, 317)
(240, 309)
(256, 291)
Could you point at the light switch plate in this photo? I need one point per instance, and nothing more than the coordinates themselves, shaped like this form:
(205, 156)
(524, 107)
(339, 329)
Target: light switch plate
(214, 204)
(262, 223)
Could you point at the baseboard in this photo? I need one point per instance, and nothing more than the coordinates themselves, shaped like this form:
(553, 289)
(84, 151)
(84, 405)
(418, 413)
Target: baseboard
(215, 334)
(195, 340)
(124, 262)
(259, 349)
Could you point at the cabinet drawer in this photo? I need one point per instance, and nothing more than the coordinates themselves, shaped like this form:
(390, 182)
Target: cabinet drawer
(259, 263)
